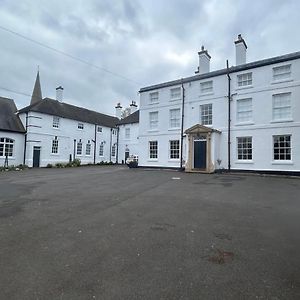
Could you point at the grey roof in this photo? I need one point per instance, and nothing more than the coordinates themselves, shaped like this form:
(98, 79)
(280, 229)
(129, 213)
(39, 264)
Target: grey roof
(68, 111)
(132, 118)
(9, 120)
(37, 91)
(255, 64)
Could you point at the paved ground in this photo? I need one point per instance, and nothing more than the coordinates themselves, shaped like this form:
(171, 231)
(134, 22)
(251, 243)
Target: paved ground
(115, 233)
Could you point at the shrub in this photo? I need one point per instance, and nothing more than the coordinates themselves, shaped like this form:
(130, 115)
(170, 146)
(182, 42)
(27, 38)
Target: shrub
(76, 162)
(49, 166)
(59, 165)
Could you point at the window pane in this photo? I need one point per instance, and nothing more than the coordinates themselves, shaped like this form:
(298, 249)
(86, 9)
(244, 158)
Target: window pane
(244, 148)
(282, 147)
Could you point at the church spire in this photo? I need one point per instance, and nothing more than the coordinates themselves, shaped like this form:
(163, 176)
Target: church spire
(37, 91)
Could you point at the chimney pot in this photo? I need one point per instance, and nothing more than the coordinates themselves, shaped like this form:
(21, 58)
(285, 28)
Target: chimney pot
(133, 107)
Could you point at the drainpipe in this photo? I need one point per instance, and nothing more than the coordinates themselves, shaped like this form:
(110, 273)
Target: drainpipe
(117, 153)
(229, 116)
(110, 144)
(25, 139)
(95, 144)
(74, 151)
(182, 120)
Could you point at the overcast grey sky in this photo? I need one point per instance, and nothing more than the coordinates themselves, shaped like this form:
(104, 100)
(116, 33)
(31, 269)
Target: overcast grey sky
(147, 41)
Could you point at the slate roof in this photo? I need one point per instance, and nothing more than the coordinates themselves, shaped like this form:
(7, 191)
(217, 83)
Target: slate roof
(9, 120)
(132, 118)
(252, 65)
(68, 111)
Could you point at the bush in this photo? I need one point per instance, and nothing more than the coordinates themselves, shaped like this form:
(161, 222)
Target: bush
(59, 165)
(76, 162)
(49, 166)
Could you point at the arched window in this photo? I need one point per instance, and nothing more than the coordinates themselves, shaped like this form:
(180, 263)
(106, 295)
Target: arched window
(6, 147)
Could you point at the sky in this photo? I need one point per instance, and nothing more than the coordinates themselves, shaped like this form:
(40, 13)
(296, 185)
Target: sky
(131, 44)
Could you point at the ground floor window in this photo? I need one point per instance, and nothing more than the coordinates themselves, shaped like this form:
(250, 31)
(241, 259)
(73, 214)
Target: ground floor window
(153, 149)
(88, 148)
(113, 150)
(54, 149)
(174, 149)
(244, 148)
(282, 147)
(79, 148)
(101, 149)
(6, 147)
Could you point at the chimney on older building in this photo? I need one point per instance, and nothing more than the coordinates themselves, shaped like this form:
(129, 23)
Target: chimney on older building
(204, 61)
(133, 107)
(59, 93)
(118, 110)
(240, 50)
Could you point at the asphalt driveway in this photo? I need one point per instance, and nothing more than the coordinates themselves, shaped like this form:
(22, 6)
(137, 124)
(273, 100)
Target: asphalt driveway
(114, 233)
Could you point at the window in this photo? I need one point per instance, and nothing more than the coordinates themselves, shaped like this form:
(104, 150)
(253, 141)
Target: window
(114, 131)
(55, 123)
(282, 147)
(6, 147)
(206, 87)
(80, 126)
(282, 72)
(153, 118)
(175, 118)
(101, 149)
(153, 97)
(244, 148)
(79, 147)
(206, 114)
(88, 148)
(153, 149)
(127, 133)
(175, 93)
(244, 110)
(174, 149)
(244, 79)
(99, 129)
(113, 150)
(54, 149)
(282, 106)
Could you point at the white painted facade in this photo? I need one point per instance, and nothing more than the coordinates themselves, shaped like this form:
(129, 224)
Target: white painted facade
(41, 133)
(266, 117)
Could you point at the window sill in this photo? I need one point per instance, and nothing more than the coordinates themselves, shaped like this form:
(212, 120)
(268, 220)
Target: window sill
(153, 130)
(174, 129)
(9, 157)
(174, 160)
(177, 99)
(244, 162)
(244, 123)
(282, 162)
(282, 81)
(54, 154)
(55, 128)
(206, 94)
(153, 159)
(153, 103)
(282, 121)
(245, 87)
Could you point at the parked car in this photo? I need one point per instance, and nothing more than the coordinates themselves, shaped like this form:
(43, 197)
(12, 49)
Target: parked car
(132, 161)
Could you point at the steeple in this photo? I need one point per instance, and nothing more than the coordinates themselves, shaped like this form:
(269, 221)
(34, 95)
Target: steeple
(37, 92)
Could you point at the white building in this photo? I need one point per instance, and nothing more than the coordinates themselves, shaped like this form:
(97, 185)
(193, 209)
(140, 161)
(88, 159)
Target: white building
(245, 117)
(12, 134)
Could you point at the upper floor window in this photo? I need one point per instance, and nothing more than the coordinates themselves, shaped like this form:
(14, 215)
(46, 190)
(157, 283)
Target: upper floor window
(244, 110)
(206, 114)
(99, 129)
(79, 148)
(282, 72)
(244, 148)
(55, 123)
(206, 87)
(282, 147)
(175, 118)
(175, 93)
(282, 107)
(88, 148)
(80, 126)
(127, 133)
(153, 97)
(153, 149)
(244, 79)
(6, 147)
(114, 131)
(174, 149)
(54, 149)
(153, 120)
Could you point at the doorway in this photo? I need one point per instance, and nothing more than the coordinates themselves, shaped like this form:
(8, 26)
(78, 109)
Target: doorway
(36, 156)
(200, 154)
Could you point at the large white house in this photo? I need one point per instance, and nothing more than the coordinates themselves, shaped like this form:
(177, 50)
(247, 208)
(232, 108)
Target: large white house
(244, 117)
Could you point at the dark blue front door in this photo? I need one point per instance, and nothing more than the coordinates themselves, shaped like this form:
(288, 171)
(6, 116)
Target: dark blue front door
(200, 154)
(36, 156)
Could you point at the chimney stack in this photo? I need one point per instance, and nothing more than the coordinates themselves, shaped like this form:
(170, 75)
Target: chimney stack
(133, 107)
(118, 110)
(204, 62)
(240, 50)
(59, 93)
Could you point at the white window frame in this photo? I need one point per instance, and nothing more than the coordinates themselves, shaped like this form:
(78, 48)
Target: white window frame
(206, 87)
(101, 149)
(80, 126)
(174, 118)
(79, 147)
(153, 97)
(244, 148)
(244, 110)
(284, 147)
(206, 114)
(55, 122)
(88, 148)
(175, 93)
(7, 146)
(244, 79)
(153, 122)
(174, 149)
(153, 150)
(99, 129)
(283, 72)
(54, 146)
(127, 133)
(113, 150)
(281, 110)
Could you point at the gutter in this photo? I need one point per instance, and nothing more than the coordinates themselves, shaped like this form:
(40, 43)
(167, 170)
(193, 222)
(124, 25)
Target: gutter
(181, 131)
(229, 116)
